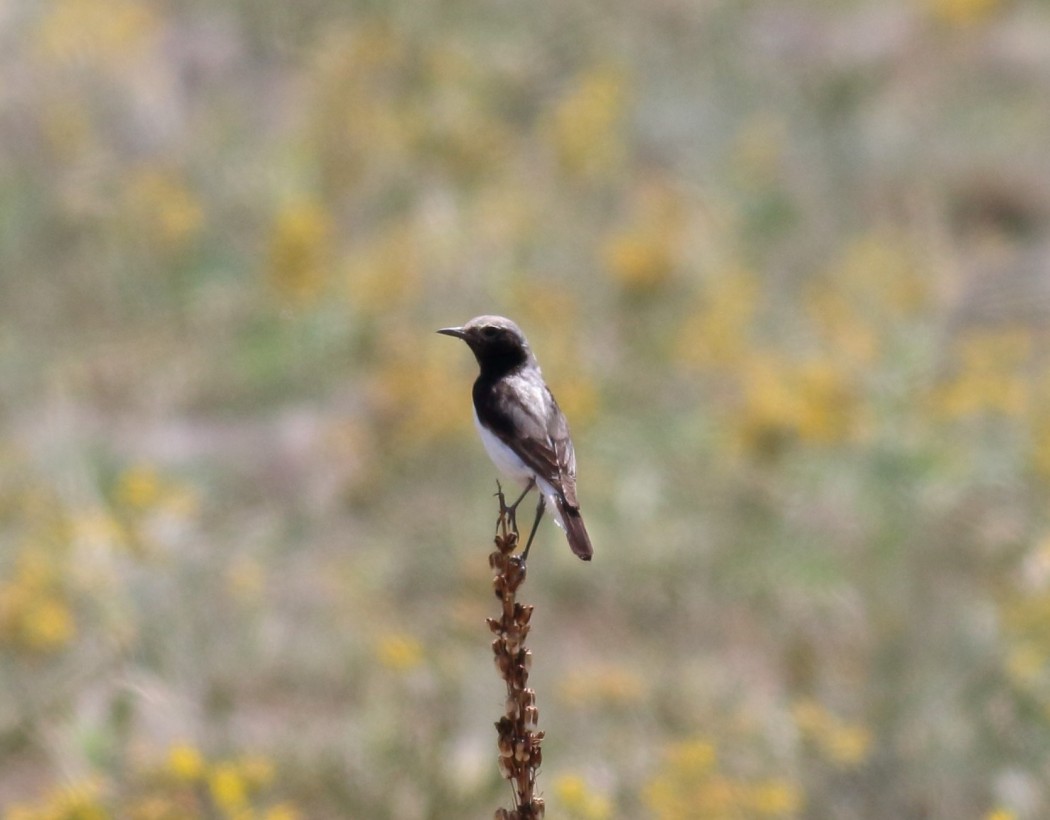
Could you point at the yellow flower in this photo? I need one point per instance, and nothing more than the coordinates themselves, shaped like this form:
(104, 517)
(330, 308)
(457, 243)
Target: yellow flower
(1025, 664)
(161, 201)
(989, 377)
(579, 400)
(844, 744)
(228, 788)
(578, 800)
(407, 395)
(758, 150)
(108, 33)
(586, 122)
(48, 624)
(282, 811)
(97, 527)
(717, 332)
(300, 251)
(780, 400)
(846, 330)
(692, 757)
(879, 272)
(257, 771)
(1000, 814)
(962, 12)
(711, 795)
(639, 259)
(139, 487)
(399, 652)
(829, 407)
(642, 255)
(776, 797)
(847, 744)
(384, 274)
(602, 685)
(80, 800)
(185, 763)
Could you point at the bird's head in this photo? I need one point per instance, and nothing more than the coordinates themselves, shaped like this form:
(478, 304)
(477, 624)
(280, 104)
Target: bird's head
(497, 342)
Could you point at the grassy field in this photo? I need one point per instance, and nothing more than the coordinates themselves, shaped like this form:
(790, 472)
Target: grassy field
(787, 269)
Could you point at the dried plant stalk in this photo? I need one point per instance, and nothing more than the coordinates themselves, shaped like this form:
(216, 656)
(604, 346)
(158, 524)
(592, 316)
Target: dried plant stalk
(519, 741)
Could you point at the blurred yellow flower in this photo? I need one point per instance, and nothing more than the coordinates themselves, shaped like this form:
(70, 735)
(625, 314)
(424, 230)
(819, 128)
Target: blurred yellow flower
(47, 624)
(399, 652)
(257, 770)
(989, 376)
(97, 527)
(758, 149)
(776, 797)
(962, 12)
(1000, 814)
(717, 332)
(585, 125)
(844, 744)
(813, 401)
(1026, 664)
(693, 757)
(67, 128)
(579, 399)
(602, 685)
(880, 275)
(139, 487)
(411, 402)
(164, 205)
(847, 744)
(35, 612)
(228, 789)
(692, 785)
(185, 763)
(639, 259)
(300, 251)
(383, 275)
(282, 811)
(80, 800)
(107, 33)
(642, 254)
(578, 801)
(551, 313)
(847, 330)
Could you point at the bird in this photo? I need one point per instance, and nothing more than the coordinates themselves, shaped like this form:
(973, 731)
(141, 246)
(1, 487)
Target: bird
(521, 426)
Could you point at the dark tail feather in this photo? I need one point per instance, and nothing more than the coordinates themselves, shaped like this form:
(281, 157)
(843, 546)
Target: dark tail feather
(579, 541)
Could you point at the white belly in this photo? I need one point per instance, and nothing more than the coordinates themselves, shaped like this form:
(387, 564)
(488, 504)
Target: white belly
(508, 463)
(505, 459)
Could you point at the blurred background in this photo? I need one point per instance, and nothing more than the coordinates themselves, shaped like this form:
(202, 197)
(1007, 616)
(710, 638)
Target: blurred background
(787, 268)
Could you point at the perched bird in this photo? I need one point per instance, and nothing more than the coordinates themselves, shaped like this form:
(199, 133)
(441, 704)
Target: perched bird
(521, 425)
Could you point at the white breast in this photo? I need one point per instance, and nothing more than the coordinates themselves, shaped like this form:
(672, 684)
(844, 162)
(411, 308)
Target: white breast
(508, 463)
(505, 459)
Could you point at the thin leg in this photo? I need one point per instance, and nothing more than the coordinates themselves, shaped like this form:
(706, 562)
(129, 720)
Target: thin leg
(539, 514)
(512, 510)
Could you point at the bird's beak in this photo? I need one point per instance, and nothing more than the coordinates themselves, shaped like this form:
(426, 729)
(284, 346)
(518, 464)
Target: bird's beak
(454, 331)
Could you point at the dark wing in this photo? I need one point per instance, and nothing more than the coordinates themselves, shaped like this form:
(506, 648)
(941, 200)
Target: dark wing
(522, 412)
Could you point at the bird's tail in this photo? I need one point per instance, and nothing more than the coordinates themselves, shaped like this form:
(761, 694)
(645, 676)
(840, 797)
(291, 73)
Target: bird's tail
(575, 531)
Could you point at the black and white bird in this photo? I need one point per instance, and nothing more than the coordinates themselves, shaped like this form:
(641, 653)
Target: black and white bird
(521, 425)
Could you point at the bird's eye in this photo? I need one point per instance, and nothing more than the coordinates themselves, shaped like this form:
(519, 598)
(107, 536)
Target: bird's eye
(489, 332)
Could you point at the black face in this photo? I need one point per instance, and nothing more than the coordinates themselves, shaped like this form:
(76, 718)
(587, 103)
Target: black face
(497, 343)
(497, 349)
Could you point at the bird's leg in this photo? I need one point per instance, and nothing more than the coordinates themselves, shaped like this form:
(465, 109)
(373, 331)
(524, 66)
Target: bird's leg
(535, 524)
(512, 510)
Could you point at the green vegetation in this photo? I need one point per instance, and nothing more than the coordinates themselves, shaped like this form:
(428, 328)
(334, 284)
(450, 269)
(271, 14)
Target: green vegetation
(785, 266)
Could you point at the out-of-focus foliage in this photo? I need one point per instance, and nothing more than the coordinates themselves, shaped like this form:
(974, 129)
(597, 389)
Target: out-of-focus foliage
(786, 267)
